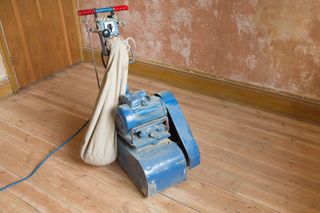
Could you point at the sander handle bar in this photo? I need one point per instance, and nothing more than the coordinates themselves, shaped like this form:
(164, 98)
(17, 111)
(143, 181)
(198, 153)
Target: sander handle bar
(102, 10)
(95, 11)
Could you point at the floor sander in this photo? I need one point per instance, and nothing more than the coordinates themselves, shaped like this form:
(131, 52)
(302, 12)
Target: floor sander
(155, 146)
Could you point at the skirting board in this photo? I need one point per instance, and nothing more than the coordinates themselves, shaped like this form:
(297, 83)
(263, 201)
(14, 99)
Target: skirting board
(5, 89)
(273, 101)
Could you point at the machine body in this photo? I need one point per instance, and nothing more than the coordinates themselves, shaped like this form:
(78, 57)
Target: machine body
(155, 144)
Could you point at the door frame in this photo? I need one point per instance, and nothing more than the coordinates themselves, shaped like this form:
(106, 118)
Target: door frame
(8, 62)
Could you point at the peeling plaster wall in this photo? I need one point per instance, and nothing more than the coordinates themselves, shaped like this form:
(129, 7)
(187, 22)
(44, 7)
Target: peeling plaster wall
(269, 43)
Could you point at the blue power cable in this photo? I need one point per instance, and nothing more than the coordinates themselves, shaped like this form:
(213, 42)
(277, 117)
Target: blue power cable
(45, 159)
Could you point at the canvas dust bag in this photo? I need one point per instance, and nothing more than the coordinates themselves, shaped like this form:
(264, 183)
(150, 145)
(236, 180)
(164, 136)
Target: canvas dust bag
(100, 142)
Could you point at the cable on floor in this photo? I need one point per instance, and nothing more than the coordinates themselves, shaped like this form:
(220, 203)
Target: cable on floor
(45, 159)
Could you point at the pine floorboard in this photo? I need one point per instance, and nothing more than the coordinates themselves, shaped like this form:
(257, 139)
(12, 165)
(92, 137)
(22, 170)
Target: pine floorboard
(251, 160)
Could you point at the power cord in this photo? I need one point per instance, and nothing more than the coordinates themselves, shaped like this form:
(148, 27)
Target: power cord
(92, 53)
(45, 159)
(103, 60)
(83, 126)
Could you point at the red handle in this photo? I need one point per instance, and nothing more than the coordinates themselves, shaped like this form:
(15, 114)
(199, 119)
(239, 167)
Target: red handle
(102, 10)
(120, 8)
(86, 12)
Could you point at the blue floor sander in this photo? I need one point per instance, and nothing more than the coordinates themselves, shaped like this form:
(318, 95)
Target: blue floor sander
(155, 143)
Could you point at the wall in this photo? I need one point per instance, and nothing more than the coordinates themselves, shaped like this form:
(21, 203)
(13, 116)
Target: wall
(268, 43)
(3, 74)
(5, 84)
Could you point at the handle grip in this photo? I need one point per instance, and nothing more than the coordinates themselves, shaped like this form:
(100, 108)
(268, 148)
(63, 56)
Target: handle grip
(102, 10)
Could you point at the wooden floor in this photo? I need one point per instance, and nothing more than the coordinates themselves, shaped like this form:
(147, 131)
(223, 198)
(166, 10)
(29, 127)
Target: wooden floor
(252, 161)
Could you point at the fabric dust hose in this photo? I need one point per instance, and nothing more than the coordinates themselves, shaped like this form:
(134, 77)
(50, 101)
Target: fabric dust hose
(99, 145)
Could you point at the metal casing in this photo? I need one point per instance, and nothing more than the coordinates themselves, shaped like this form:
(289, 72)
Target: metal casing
(148, 133)
(155, 143)
(138, 109)
(180, 130)
(152, 168)
(108, 24)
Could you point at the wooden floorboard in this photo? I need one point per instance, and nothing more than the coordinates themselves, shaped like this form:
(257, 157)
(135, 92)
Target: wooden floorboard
(252, 161)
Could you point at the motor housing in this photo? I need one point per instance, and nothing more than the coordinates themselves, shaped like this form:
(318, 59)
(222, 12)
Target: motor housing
(155, 144)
